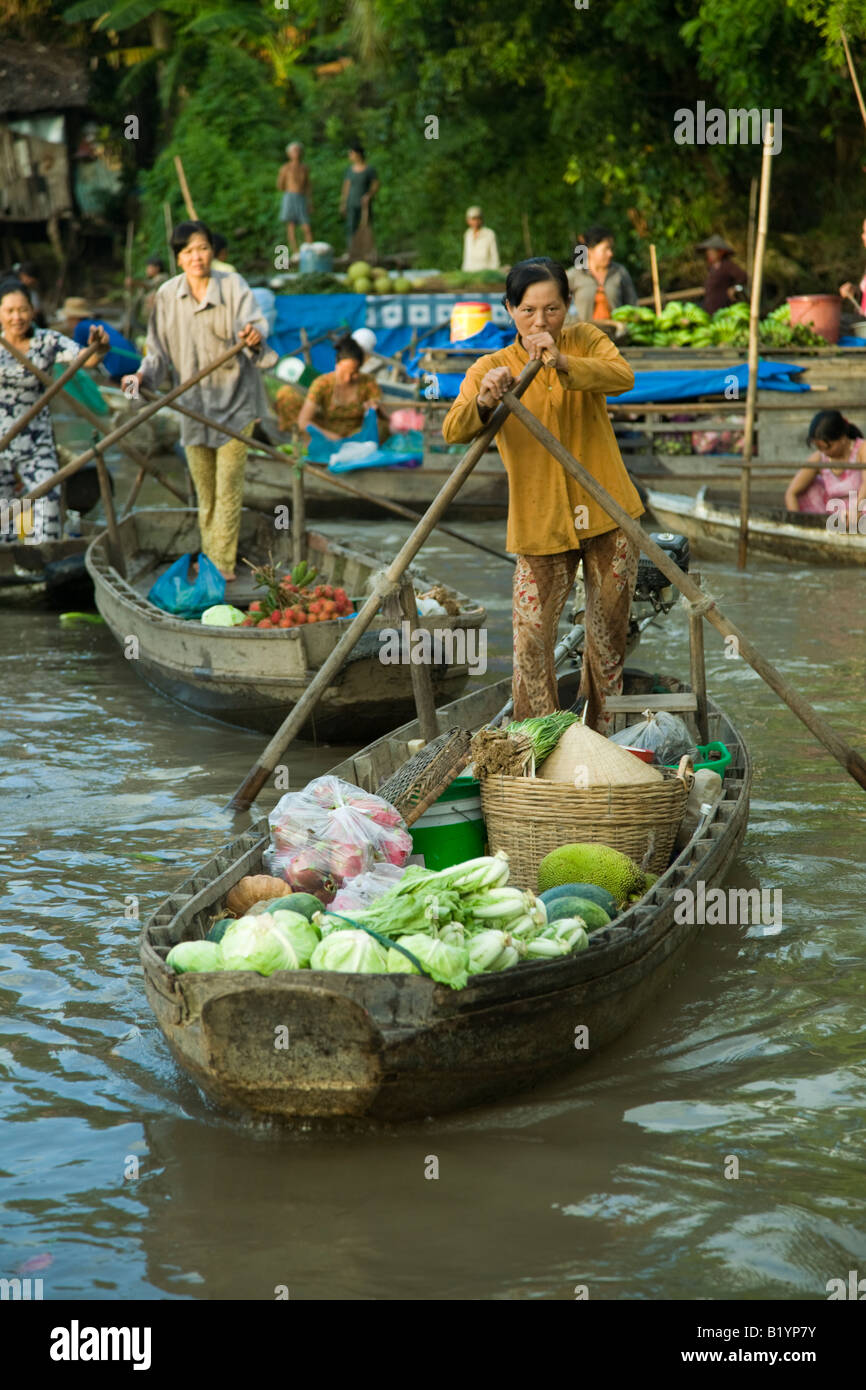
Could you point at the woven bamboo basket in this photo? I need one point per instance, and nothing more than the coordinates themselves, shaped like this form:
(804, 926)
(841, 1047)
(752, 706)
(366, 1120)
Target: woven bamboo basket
(528, 817)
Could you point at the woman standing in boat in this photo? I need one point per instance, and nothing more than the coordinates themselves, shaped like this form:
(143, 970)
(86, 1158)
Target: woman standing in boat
(830, 475)
(31, 457)
(552, 521)
(196, 316)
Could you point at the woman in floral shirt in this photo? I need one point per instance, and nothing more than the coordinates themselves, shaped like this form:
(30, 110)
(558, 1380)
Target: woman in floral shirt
(31, 457)
(338, 401)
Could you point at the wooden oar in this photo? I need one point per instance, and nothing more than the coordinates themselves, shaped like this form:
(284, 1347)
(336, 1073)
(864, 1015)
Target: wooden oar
(387, 582)
(848, 757)
(132, 424)
(144, 464)
(38, 406)
(335, 481)
(754, 324)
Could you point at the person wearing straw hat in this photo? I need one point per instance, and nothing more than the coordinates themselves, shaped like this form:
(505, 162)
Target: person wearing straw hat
(31, 457)
(726, 281)
(480, 251)
(78, 316)
(196, 316)
(552, 521)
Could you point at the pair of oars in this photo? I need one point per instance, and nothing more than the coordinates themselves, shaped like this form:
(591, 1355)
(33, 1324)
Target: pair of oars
(144, 464)
(706, 607)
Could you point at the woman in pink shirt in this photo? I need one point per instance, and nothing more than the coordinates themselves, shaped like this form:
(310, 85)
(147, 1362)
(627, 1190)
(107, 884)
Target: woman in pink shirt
(831, 474)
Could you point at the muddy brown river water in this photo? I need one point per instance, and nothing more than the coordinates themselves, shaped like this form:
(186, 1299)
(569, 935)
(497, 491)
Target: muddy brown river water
(117, 1179)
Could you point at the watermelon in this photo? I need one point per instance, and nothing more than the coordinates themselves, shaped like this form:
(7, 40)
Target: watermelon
(591, 891)
(590, 912)
(218, 930)
(304, 903)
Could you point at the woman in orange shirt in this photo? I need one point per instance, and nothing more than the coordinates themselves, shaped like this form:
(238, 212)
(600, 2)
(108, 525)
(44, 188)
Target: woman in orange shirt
(552, 521)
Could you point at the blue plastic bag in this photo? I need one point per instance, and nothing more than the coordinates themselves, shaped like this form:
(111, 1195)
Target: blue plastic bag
(174, 592)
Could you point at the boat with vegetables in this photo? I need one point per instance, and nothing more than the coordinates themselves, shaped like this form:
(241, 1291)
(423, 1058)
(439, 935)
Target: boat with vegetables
(711, 521)
(381, 1023)
(252, 672)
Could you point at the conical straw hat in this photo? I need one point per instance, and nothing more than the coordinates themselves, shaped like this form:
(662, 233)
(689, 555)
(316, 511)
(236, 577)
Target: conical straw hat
(586, 759)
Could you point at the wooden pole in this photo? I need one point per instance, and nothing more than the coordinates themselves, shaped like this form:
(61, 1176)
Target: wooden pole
(422, 679)
(527, 240)
(337, 481)
(92, 419)
(697, 666)
(132, 424)
(388, 580)
(38, 406)
(856, 84)
(754, 321)
(127, 267)
(844, 754)
(184, 188)
(166, 217)
(654, 271)
(750, 235)
(115, 544)
(299, 516)
(305, 346)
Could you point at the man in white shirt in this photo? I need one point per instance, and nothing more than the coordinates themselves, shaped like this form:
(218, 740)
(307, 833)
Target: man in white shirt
(480, 251)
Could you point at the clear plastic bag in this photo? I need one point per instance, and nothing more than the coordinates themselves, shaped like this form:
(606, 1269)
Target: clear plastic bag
(665, 735)
(366, 888)
(330, 833)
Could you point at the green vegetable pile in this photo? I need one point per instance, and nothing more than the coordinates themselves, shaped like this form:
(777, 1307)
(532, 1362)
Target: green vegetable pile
(314, 282)
(682, 324)
(449, 924)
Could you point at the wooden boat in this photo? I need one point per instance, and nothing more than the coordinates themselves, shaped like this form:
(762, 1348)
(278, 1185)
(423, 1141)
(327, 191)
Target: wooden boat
(713, 526)
(253, 678)
(401, 1047)
(51, 572)
(268, 484)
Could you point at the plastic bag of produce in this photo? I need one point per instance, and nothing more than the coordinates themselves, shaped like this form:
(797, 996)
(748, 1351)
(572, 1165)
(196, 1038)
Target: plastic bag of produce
(331, 832)
(363, 890)
(666, 735)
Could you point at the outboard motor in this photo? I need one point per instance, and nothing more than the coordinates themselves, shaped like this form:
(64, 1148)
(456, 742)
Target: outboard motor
(652, 586)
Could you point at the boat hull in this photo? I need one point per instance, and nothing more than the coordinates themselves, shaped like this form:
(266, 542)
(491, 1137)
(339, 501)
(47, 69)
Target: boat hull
(713, 529)
(326, 1045)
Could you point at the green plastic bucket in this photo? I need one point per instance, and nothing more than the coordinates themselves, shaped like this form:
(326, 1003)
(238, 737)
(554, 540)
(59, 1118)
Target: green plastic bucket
(452, 829)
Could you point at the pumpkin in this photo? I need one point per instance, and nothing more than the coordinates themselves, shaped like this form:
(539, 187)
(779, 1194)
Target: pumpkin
(254, 889)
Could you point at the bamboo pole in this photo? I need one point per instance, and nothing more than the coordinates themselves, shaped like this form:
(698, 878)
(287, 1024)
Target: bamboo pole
(184, 188)
(38, 406)
(299, 515)
(336, 481)
(115, 544)
(92, 419)
(697, 667)
(132, 424)
(854, 81)
(166, 217)
(754, 319)
(750, 235)
(422, 680)
(844, 754)
(127, 267)
(387, 581)
(654, 271)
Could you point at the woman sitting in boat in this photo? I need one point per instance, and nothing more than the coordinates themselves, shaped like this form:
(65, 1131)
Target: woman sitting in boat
(338, 401)
(552, 522)
(31, 457)
(819, 489)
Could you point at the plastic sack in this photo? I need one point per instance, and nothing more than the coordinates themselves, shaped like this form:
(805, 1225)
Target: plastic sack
(366, 888)
(174, 592)
(665, 735)
(331, 832)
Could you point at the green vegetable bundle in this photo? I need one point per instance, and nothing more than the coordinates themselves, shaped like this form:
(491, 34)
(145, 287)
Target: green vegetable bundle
(544, 731)
(683, 324)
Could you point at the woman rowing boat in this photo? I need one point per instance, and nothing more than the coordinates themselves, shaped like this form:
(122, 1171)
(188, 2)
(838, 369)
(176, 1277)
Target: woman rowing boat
(552, 522)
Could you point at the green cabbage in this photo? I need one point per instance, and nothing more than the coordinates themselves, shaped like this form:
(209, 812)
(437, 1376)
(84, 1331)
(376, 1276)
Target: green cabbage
(222, 615)
(302, 935)
(257, 943)
(446, 963)
(195, 956)
(354, 951)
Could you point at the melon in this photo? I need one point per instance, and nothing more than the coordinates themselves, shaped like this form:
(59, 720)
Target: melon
(589, 912)
(402, 285)
(358, 269)
(581, 890)
(304, 903)
(361, 285)
(591, 863)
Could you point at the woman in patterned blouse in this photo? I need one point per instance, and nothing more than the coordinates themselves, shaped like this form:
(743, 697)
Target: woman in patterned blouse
(31, 457)
(337, 402)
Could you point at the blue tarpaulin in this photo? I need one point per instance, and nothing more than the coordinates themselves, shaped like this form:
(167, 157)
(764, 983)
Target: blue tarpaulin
(687, 385)
(401, 451)
(317, 313)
